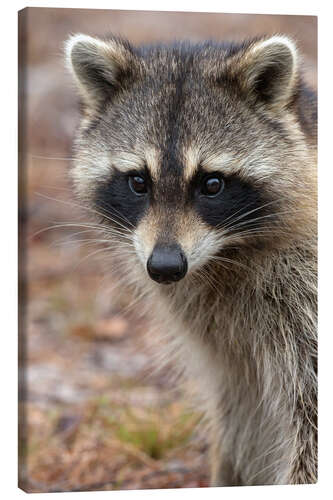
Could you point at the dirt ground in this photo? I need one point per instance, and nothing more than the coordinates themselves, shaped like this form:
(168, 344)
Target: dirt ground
(94, 413)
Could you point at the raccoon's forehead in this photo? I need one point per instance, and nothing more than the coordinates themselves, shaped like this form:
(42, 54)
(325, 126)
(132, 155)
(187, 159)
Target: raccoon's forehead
(184, 159)
(175, 121)
(155, 132)
(185, 164)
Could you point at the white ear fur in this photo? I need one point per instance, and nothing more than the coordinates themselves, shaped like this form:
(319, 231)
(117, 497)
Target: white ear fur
(95, 65)
(269, 68)
(79, 39)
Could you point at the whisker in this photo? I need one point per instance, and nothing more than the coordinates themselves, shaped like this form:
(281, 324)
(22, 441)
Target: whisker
(57, 158)
(251, 221)
(87, 242)
(89, 209)
(105, 231)
(207, 277)
(230, 261)
(77, 224)
(86, 257)
(247, 213)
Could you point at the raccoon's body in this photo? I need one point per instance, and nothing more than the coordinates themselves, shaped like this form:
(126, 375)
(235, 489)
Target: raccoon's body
(201, 161)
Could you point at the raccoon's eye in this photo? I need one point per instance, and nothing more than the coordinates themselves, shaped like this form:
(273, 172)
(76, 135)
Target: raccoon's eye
(212, 185)
(137, 184)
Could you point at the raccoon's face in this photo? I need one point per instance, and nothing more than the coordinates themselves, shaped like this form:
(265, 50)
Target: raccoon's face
(189, 151)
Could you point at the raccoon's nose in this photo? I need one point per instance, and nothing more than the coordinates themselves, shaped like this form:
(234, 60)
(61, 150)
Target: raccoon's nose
(167, 264)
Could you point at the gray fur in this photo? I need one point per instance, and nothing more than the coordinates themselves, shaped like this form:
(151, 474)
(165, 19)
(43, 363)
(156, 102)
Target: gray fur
(242, 323)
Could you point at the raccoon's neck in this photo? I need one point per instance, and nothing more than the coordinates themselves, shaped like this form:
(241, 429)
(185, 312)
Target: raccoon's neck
(249, 345)
(262, 308)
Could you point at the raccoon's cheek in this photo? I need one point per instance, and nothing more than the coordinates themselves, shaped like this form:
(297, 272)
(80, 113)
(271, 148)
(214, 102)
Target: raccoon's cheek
(201, 248)
(198, 239)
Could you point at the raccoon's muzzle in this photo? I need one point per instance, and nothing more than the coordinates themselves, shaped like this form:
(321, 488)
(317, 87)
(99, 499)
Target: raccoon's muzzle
(167, 263)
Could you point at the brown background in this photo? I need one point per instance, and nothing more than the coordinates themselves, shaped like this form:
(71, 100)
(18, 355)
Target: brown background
(96, 415)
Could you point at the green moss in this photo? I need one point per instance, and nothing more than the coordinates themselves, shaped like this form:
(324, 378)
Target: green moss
(154, 433)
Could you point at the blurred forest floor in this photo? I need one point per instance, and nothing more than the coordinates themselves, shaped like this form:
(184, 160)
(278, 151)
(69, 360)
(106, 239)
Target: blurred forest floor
(95, 414)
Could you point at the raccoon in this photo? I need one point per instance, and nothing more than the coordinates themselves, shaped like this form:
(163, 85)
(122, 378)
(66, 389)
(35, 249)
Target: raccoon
(199, 161)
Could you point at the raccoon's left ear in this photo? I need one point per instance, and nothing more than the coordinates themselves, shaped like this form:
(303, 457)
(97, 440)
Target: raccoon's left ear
(100, 68)
(267, 70)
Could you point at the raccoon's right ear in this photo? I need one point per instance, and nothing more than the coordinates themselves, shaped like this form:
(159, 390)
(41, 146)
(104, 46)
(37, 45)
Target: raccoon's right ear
(99, 67)
(267, 70)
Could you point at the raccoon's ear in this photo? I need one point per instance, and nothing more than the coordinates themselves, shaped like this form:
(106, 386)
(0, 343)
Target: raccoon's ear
(99, 67)
(268, 70)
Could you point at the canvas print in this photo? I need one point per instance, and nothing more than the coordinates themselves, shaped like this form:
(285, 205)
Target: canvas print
(167, 285)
